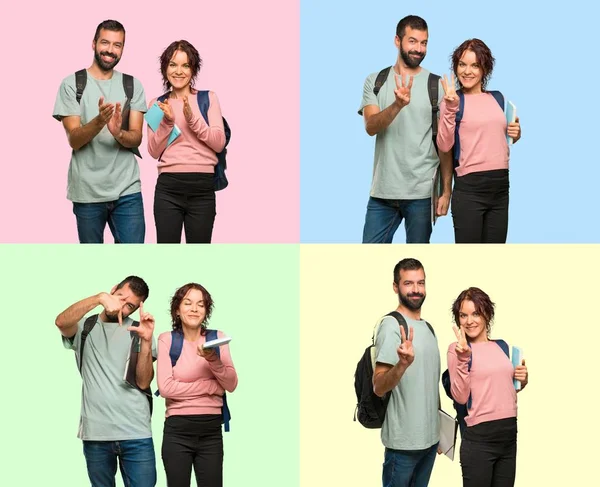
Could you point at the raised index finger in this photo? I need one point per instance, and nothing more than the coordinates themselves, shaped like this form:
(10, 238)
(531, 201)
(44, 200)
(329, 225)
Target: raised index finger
(411, 334)
(456, 332)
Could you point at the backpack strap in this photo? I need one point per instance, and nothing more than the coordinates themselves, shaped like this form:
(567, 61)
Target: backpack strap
(381, 79)
(433, 90)
(176, 346)
(80, 82)
(203, 105)
(499, 97)
(128, 88)
(88, 325)
(504, 346)
(459, 116)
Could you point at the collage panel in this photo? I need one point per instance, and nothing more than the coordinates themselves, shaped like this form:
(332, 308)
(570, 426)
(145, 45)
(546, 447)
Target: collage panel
(54, 289)
(357, 187)
(543, 299)
(89, 187)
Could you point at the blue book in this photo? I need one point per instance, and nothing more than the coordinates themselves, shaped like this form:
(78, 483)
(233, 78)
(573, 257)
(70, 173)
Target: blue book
(511, 117)
(154, 116)
(517, 358)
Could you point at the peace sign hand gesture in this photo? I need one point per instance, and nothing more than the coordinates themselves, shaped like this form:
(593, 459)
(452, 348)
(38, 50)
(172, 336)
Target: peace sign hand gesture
(146, 326)
(450, 95)
(406, 353)
(462, 347)
(402, 91)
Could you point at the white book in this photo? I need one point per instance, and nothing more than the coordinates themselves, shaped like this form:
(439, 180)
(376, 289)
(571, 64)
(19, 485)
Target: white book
(448, 429)
(217, 342)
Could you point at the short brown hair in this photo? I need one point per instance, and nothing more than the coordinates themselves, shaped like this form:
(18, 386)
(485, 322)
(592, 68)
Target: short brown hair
(194, 60)
(482, 54)
(483, 305)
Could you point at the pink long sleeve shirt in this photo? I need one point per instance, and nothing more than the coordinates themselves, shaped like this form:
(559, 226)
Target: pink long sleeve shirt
(490, 382)
(194, 385)
(195, 150)
(483, 145)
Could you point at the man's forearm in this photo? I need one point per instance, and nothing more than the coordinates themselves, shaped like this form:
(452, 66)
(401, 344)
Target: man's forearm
(144, 371)
(80, 136)
(129, 138)
(74, 313)
(382, 120)
(446, 168)
(386, 381)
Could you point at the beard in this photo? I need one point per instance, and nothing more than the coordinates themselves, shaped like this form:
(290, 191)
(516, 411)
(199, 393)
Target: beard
(409, 61)
(112, 318)
(104, 66)
(411, 303)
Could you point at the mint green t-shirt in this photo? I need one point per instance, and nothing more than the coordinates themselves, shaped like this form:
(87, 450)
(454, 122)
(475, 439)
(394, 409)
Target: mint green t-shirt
(111, 409)
(102, 170)
(411, 419)
(405, 157)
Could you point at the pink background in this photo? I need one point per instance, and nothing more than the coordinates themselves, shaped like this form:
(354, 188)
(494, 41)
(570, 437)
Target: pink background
(250, 53)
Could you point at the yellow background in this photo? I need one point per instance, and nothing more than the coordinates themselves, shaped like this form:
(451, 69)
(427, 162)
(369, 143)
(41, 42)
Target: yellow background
(546, 302)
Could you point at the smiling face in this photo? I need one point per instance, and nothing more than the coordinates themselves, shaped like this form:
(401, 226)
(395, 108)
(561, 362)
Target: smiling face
(411, 288)
(179, 71)
(108, 48)
(472, 321)
(192, 309)
(469, 72)
(413, 46)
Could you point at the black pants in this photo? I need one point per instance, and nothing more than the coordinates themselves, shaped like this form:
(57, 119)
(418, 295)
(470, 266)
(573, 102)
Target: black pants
(480, 207)
(184, 200)
(488, 454)
(193, 440)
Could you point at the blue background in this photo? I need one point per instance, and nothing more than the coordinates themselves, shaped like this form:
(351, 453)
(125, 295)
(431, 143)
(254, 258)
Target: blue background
(546, 64)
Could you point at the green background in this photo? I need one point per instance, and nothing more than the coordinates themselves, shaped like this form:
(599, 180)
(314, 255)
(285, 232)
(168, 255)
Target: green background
(255, 289)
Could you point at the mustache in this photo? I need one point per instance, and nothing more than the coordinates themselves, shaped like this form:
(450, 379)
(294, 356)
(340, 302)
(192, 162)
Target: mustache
(415, 295)
(415, 53)
(108, 54)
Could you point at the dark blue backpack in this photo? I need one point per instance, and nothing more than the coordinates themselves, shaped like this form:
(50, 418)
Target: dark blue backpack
(175, 352)
(220, 178)
(499, 97)
(462, 410)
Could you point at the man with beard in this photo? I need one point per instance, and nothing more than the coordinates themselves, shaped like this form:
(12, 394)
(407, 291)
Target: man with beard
(104, 177)
(408, 367)
(115, 414)
(397, 108)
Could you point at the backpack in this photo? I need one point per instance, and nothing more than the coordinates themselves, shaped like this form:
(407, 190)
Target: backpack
(499, 97)
(81, 81)
(88, 325)
(220, 179)
(370, 408)
(462, 410)
(175, 352)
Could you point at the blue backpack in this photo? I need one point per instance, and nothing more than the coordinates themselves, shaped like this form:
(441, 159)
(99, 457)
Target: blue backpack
(175, 352)
(499, 97)
(462, 410)
(220, 179)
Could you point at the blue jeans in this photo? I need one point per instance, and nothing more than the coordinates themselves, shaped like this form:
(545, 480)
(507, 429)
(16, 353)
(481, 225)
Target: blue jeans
(408, 468)
(136, 462)
(125, 218)
(384, 217)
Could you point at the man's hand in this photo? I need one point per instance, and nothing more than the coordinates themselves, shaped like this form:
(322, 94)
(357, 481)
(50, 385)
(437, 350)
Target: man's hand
(406, 353)
(106, 111)
(146, 327)
(402, 91)
(112, 305)
(442, 205)
(114, 124)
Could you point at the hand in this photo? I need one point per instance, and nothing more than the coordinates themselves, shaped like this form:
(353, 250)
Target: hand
(167, 110)
(521, 374)
(514, 130)
(402, 91)
(210, 354)
(406, 353)
(114, 124)
(146, 327)
(187, 110)
(112, 306)
(462, 347)
(439, 451)
(105, 110)
(450, 95)
(442, 205)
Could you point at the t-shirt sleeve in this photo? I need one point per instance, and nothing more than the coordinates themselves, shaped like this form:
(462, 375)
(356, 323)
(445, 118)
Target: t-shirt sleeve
(369, 97)
(73, 342)
(387, 341)
(66, 100)
(138, 103)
